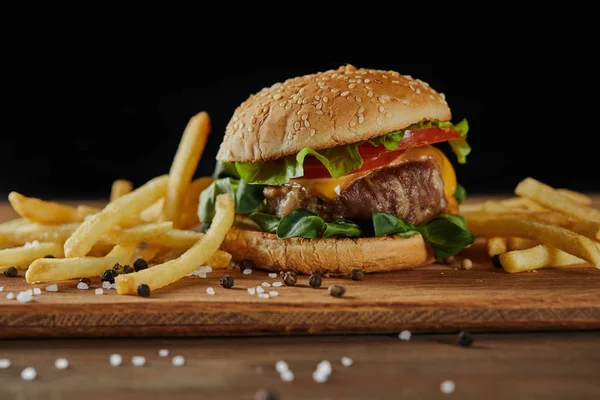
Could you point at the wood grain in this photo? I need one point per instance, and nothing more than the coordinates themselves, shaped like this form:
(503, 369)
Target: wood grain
(435, 298)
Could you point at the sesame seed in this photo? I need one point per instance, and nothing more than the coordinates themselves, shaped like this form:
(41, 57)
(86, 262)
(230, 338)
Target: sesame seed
(307, 124)
(312, 132)
(408, 76)
(447, 387)
(351, 86)
(277, 96)
(320, 105)
(367, 80)
(396, 82)
(304, 101)
(299, 101)
(297, 125)
(335, 90)
(163, 353)
(4, 363)
(345, 93)
(388, 114)
(304, 116)
(250, 129)
(61, 363)
(411, 88)
(384, 76)
(347, 361)
(319, 112)
(251, 291)
(405, 101)
(282, 104)
(352, 80)
(253, 120)
(368, 87)
(353, 130)
(28, 374)
(352, 123)
(381, 108)
(361, 110)
(404, 335)
(443, 96)
(379, 121)
(431, 97)
(381, 99)
(369, 94)
(358, 99)
(288, 106)
(418, 91)
(361, 119)
(178, 361)
(138, 361)
(210, 291)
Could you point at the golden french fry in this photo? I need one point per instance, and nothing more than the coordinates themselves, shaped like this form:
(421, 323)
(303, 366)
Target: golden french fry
(519, 243)
(219, 260)
(12, 224)
(548, 217)
(19, 235)
(152, 213)
(184, 164)
(588, 229)
(522, 203)
(491, 206)
(147, 253)
(24, 255)
(60, 269)
(549, 197)
(176, 239)
(42, 212)
(535, 258)
(84, 211)
(120, 188)
(469, 208)
(140, 233)
(496, 245)
(549, 235)
(171, 271)
(576, 196)
(93, 228)
(189, 208)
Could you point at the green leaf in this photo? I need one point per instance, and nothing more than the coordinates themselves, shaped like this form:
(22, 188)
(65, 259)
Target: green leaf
(389, 141)
(225, 170)
(300, 223)
(447, 234)
(267, 222)
(388, 224)
(460, 147)
(460, 194)
(341, 228)
(248, 198)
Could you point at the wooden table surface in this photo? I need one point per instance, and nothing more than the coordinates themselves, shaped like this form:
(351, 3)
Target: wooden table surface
(549, 365)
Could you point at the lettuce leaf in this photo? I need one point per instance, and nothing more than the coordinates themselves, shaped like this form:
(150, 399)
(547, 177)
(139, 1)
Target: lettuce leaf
(303, 223)
(248, 198)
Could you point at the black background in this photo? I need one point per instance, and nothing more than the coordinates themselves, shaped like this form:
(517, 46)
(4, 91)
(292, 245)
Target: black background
(79, 117)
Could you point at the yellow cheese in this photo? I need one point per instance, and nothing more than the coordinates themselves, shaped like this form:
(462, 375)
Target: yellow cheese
(331, 188)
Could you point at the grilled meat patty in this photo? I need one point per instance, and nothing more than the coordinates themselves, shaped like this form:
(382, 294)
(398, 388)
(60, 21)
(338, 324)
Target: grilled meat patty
(413, 191)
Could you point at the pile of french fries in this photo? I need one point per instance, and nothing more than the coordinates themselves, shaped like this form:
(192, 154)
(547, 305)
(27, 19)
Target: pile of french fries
(54, 242)
(541, 227)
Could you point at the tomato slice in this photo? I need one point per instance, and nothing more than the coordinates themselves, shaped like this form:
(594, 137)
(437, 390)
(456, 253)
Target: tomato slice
(377, 156)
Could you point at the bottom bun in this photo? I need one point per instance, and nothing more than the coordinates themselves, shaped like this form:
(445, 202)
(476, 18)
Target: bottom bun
(336, 256)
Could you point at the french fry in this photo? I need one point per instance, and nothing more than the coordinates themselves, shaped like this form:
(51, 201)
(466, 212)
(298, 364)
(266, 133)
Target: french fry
(147, 253)
(576, 196)
(491, 206)
(24, 255)
(42, 212)
(588, 229)
(120, 188)
(84, 211)
(164, 274)
(549, 235)
(92, 229)
(522, 203)
(60, 269)
(184, 165)
(12, 224)
(176, 239)
(548, 217)
(219, 260)
(470, 208)
(519, 243)
(189, 208)
(535, 258)
(23, 233)
(140, 233)
(549, 197)
(152, 213)
(496, 245)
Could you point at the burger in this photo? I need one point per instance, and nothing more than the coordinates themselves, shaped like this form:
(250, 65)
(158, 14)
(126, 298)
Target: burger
(336, 171)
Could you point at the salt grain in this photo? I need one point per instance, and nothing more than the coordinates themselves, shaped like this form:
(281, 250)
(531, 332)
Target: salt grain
(61, 363)
(259, 289)
(24, 297)
(4, 363)
(277, 284)
(30, 245)
(113, 285)
(281, 366)
(324, 367)
(138, 361)
(273, 275)
(37, 291)
(287, 376)
(163, 352)
(82, 286)
(319, 377)
(251, 290)
(210, 291)
(273, 293)
(106, 285)
(115, 360)
(447, 387)
(263, 295)
(404, 335)
(247, 271)
(265, 284)
(99, 291)
(10, 296)
(178, 361)
(347, 361)
(28, 374)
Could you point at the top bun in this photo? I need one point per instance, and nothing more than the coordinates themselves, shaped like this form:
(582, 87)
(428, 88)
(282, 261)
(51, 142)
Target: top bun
(325, 110)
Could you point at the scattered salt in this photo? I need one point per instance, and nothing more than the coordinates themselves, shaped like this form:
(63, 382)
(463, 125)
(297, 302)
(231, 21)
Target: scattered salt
(273, 293)
(29, 245)
(277, 284)
(113, 285)
(247, 271)
(259, 289)
(82, 286)
(202, 274)
(163, 352)
(207, 268)
(447, 387)
(319, 377)
(24, 297)
(265, 284)
(10, 296)
(106, 285)
(273, 275)
(178, 361)
(99, 291)
(404, 335)
(61, 363)
(263, 295)
(37, 291)
(52, 288)
(287, 376)
(138, 361)
(281, 366)
(28, 374)
(4, 363)
(347, 361)
(324, 367)
(251, 290)
(115, 360)
(210, 291)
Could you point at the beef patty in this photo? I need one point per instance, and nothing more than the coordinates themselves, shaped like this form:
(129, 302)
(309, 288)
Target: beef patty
(413, 191)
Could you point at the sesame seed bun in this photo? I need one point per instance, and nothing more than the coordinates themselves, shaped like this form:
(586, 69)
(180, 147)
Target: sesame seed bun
(325, 110)
(336, 256)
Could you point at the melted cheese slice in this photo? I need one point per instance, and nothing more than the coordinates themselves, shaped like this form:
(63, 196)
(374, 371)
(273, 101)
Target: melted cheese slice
(330, 188)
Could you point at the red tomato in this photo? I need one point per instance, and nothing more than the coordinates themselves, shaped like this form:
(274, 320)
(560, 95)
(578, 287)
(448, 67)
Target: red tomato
(377, 156)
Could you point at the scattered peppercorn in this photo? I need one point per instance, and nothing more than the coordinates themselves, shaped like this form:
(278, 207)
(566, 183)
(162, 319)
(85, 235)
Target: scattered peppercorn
(127, 269)
(86, 281)
(49, 256)
(109, 276)
(246, 264)
(336, 290)
(140, 264)
(448, 260)
(143, 290)
(118, 268)
(265, 394)
(315, 281)
(11, 272)
(226, 281)
(289, 278)
(467, 263)
(464, 339)
(357, 274)
(496, 261)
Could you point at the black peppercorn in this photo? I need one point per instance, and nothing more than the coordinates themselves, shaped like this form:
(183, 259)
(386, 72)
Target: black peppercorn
(109, 276)
(246, 264)
(314, 281)
(357, 274)
(143, 290)
(140, 264)
(118, 269)
(496, 261)
(127, 269)
(448, 260)
(336, 290)
(464, 339)
(11, 272)
(86, 281)
(49, 256)
(226, 281)
(289, 278)
(265, 394)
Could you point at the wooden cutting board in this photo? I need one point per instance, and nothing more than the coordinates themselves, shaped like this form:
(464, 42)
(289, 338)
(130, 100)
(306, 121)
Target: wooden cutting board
(434, 298)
